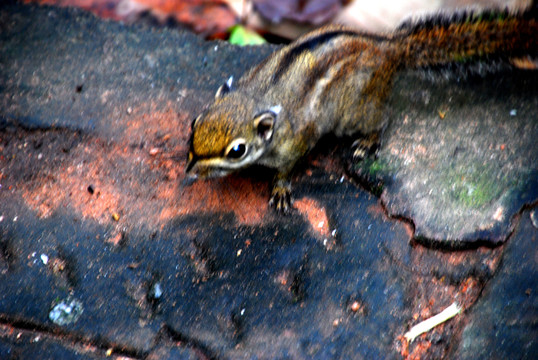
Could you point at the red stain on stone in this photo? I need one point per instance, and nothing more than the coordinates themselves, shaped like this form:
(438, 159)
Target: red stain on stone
(315, 214)
(247, 199)
(140, 176)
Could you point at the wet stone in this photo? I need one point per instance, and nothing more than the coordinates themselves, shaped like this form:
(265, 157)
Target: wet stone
(96, 304)
(16, 344)
(285, 294)
(163, 352)
(504, 321)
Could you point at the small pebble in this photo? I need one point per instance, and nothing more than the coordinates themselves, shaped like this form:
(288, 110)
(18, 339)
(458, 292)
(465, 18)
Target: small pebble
(116, 216)
(66, 312)
(91, 190)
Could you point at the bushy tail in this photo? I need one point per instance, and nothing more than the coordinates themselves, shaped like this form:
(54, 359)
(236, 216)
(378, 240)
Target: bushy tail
(466, 38)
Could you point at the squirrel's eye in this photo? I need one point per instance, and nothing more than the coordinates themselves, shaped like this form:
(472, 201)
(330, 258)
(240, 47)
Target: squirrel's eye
(236, 151)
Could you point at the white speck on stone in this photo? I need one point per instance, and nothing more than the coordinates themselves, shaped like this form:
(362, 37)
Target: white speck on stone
(1, 218)
(157, 290)
(44, 259)
(239, 252)
(15, 219)
(320, 224)
(333, 233)
(216, 48)
(513, 112)
(242, 312)
(39, 156)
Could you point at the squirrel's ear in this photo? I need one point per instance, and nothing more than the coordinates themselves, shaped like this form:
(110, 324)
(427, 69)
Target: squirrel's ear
(225, 88)
(265, 122)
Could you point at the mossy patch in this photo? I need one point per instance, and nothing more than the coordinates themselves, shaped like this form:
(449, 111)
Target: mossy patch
(476, 187)
(371, 173)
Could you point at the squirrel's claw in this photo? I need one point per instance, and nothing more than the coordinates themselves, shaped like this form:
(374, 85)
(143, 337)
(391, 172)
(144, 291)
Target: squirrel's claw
(281, 198)
(364, 147)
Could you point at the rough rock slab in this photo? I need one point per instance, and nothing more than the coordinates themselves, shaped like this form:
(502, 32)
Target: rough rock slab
(459, 156)
(93, 209)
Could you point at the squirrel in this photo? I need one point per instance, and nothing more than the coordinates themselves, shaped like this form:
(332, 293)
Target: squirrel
(336, 80)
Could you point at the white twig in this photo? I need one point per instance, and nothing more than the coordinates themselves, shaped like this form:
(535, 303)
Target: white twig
(432, 322)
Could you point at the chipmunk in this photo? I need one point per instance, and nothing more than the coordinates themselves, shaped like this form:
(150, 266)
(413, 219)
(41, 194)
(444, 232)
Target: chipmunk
(336, 80)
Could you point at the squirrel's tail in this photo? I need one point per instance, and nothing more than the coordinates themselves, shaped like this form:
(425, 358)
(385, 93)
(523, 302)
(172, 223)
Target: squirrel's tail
(466, 38)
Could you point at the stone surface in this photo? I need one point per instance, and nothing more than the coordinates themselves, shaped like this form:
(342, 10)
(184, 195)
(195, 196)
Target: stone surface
(459, 155)
(508, 304)
(93, 207)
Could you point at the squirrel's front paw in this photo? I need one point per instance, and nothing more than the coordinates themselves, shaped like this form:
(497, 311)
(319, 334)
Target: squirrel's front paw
(365, 147)
(281, 198)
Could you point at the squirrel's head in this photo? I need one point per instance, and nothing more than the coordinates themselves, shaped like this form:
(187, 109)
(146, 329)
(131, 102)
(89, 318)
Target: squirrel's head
(230, 135)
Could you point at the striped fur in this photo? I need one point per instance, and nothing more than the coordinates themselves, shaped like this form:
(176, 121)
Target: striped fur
(336, 80)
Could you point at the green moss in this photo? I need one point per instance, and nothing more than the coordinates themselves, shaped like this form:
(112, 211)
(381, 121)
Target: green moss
(375, 167)
(370, 173)
(476, 187)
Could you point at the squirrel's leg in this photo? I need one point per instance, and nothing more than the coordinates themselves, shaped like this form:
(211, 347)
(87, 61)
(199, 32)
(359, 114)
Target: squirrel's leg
(281, 194)
(366, 146)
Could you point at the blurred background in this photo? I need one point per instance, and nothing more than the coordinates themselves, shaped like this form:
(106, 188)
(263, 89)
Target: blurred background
(277, 20)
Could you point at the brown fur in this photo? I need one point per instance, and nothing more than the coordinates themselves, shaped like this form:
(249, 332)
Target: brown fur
(336, 80)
